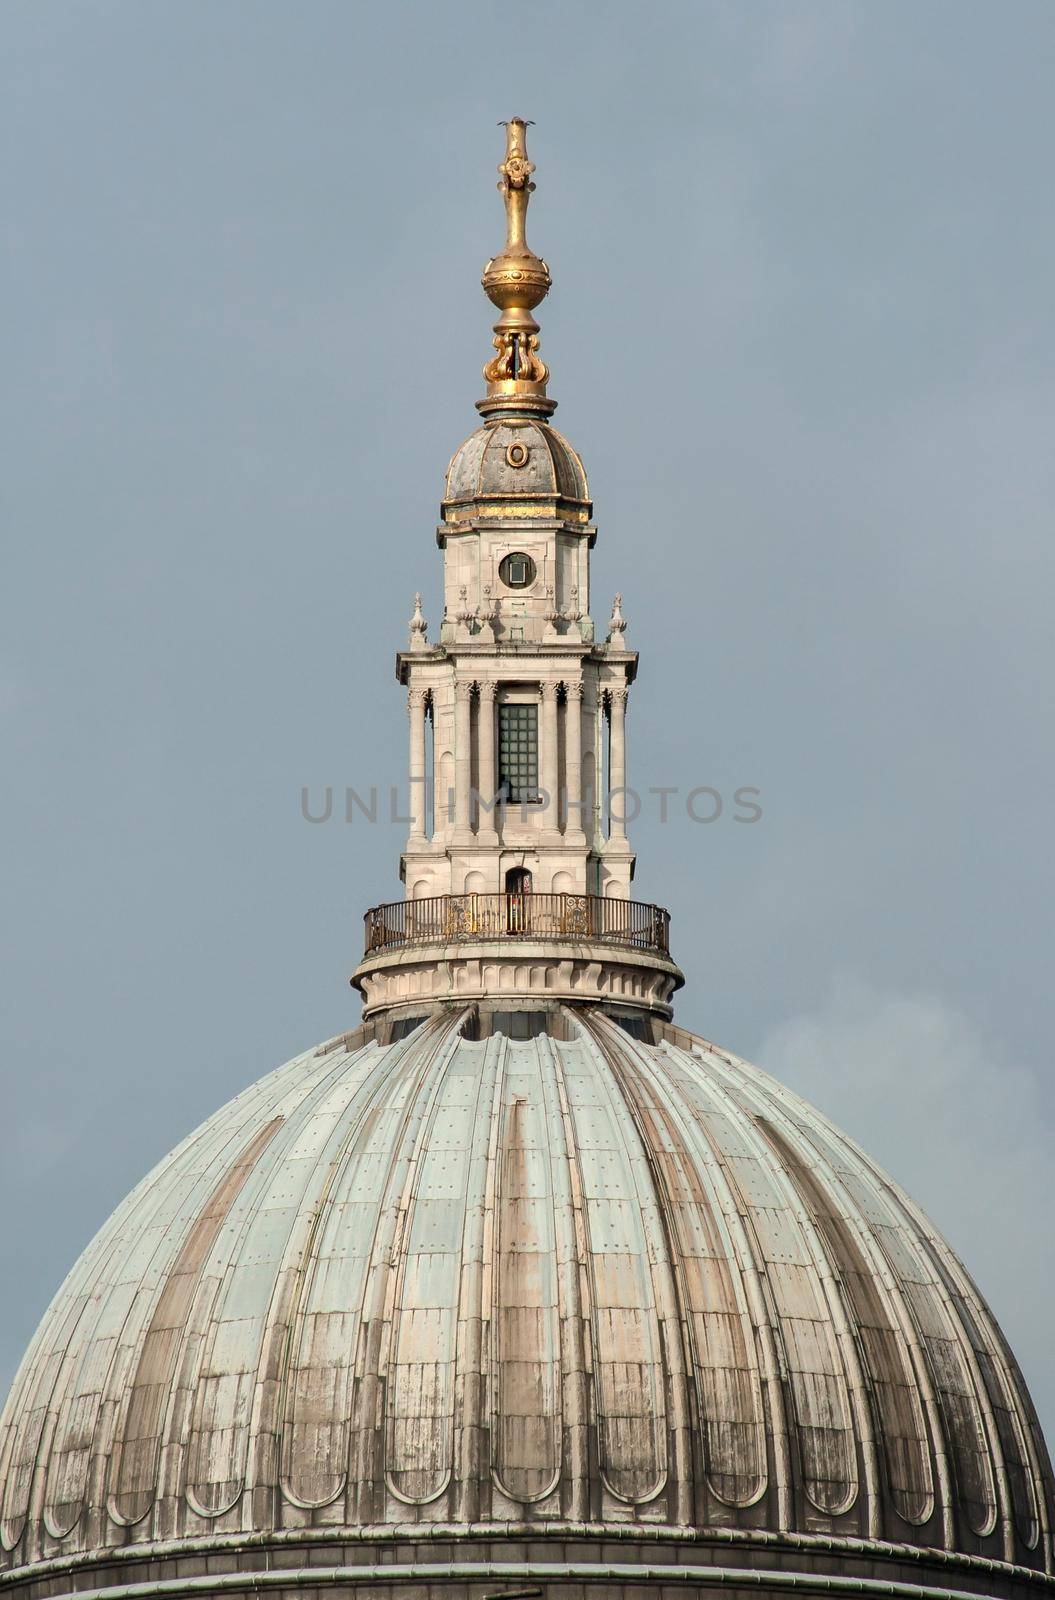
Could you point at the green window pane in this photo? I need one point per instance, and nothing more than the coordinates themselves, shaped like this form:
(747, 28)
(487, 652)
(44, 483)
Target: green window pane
(518, 752)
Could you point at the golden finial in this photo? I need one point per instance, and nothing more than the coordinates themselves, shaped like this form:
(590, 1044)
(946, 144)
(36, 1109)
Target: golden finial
(516, 282)
(515, 184)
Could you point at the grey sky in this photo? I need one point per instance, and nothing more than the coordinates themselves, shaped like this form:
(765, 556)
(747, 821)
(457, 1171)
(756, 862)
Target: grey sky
(801, 332)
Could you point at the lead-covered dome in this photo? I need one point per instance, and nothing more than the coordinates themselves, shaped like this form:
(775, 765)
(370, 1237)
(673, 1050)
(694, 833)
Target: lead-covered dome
(516, 458)
(575, 1301)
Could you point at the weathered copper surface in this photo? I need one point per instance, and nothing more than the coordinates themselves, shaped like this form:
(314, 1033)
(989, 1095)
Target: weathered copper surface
(603, 1288)
(480, 473)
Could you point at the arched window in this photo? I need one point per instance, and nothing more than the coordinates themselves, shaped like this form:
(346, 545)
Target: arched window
(518, 900)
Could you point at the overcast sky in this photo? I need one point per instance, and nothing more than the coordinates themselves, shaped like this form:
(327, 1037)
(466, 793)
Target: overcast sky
(801, 332)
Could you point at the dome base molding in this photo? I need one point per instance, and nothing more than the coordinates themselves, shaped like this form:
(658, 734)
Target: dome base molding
(561, 1559)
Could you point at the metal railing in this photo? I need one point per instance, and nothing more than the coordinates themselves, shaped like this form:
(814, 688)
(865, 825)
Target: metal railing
(448, 918)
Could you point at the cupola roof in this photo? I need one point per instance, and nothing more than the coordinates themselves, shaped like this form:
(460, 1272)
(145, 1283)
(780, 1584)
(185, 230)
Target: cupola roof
(518, 459)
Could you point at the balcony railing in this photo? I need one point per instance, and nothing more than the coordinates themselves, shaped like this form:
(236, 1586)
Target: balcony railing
(446, 918)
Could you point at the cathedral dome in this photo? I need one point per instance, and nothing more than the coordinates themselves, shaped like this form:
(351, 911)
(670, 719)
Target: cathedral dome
(555, 1304)
(519, 1290)
(516, 458)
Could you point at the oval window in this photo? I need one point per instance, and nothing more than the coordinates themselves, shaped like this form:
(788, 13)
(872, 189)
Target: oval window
(517, 571)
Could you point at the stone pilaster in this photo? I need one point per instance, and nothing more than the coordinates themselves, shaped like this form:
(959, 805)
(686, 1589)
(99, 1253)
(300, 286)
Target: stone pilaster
(463, 833)
(574, 827)
(549, 775)
(487, 833)
(416, 711)
(617, 800)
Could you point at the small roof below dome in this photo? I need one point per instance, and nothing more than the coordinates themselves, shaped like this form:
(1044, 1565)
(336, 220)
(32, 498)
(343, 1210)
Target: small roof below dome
(519, 459)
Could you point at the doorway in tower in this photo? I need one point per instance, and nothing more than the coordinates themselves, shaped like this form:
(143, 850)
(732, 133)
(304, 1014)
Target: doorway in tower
(518, 900)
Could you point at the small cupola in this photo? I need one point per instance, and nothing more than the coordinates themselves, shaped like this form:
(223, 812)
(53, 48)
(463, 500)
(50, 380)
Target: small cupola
(516, 466)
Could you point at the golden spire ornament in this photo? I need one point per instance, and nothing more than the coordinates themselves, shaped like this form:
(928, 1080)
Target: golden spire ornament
(516, 281)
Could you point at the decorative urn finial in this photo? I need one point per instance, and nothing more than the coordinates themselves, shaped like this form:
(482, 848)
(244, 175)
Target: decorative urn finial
(419, 628)
(617, 625)
(516, 281)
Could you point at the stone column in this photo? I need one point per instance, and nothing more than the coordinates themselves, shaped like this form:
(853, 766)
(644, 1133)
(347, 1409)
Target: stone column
(617, 799)
(462, 760)
(416, 712)
(486, 761)
(549, 775)
(574, 821)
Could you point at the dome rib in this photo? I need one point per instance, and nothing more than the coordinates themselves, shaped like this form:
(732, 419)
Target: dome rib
(137, 1456)
(572, 1313)
(666, 1140)
(868, 1278)
(330, 1286)
(885, 1280)
(578, 488)
(415, 1090)
(817, 1396)
(418, 1367)
(968, 1367)
(620, 1257)
(525, 1417)
(890, 1377)
(79, 1314)
(1023, 1501)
